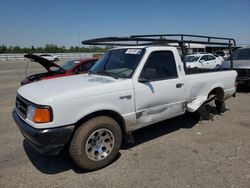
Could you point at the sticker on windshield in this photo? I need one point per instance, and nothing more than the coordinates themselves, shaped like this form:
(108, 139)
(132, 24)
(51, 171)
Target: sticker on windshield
(133, 51)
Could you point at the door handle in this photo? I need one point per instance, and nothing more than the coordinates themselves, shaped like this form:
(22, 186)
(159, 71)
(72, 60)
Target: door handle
(179, 85)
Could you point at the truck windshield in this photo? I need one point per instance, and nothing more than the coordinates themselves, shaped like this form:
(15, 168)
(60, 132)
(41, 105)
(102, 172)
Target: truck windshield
(242, 54)
(118, 63)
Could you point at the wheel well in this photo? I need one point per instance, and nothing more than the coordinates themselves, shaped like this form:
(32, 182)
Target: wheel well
(116, 116)
(218, 92)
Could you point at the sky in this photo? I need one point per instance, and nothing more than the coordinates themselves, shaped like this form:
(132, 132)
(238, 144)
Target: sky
(68, 22)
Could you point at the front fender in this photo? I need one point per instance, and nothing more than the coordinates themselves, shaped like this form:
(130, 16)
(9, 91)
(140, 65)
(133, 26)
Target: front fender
(95, 108)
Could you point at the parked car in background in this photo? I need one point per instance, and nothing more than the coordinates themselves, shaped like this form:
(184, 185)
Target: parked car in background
(50, 57)
(205, 61)
(55, 70)
(241, 59)
(219, 57)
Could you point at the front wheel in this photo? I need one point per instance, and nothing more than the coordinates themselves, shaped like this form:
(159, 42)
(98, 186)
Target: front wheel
(96, 143)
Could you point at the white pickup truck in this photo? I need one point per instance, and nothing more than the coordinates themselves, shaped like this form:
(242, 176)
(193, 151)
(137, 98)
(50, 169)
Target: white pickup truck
(127, 89)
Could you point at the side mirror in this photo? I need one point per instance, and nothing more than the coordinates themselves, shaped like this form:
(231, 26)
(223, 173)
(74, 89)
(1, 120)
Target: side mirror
(147, 75)
(202, 61)
(143, 80)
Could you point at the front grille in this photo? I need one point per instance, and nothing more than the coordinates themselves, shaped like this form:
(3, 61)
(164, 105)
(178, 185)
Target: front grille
(21, 106)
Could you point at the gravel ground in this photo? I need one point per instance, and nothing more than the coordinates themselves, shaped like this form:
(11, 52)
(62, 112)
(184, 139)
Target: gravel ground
(181, 152)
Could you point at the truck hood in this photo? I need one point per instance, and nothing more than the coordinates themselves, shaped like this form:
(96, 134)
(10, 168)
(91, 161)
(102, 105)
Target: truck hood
(237, 64)
(72, 88)
(42, 61)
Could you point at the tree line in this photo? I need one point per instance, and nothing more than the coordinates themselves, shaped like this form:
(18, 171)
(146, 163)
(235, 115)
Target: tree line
(50, 48)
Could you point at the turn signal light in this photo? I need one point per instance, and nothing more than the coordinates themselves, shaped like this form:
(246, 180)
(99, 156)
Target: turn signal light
(42, 115)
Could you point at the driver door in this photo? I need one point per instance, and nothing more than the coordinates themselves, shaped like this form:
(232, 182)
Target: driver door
(159, 91)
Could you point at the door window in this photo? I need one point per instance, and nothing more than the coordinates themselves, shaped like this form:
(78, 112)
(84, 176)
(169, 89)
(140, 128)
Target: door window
(160, 65)
(210, 58)
(204, 58)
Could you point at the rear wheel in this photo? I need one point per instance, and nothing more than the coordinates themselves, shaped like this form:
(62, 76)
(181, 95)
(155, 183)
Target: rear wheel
(96, 143)
(56, 59)
(220, 106)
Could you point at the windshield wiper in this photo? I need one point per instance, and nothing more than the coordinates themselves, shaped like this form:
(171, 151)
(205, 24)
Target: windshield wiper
(102, 72)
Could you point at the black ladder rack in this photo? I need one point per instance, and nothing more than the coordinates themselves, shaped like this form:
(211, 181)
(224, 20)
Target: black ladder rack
(165, 40)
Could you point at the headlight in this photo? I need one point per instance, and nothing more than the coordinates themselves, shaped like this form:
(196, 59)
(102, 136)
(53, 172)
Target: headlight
(30, 112)
(38, 114)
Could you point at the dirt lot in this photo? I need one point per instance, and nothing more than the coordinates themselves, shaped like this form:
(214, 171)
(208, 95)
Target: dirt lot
(181, 152)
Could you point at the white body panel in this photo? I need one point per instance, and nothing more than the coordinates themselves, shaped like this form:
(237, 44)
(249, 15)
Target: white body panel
(74, 97)
(199, 85)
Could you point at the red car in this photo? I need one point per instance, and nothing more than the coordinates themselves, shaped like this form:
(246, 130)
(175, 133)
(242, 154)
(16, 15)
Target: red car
(54, 70)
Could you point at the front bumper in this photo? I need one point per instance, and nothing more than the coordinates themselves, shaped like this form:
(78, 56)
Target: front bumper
(46, 141)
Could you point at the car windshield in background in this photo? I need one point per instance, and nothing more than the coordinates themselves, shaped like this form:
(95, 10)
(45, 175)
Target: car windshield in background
(242, 54)
(66, 65)
(119, 63)
(191, 58)
(69, 64)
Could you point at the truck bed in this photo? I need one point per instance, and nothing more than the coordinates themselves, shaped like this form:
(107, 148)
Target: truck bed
(199, 84)
(200, 70)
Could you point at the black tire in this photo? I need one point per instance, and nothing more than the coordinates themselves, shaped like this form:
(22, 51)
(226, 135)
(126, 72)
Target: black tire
(204, 113)
(217, 67)
(56, 59)
(220, 106)
(248, 85)
(78, 146)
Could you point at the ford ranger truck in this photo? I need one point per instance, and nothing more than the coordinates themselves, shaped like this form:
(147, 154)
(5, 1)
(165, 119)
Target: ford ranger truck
(127, 89)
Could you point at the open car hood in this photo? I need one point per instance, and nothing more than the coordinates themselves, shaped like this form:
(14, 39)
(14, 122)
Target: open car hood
(42, 61)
